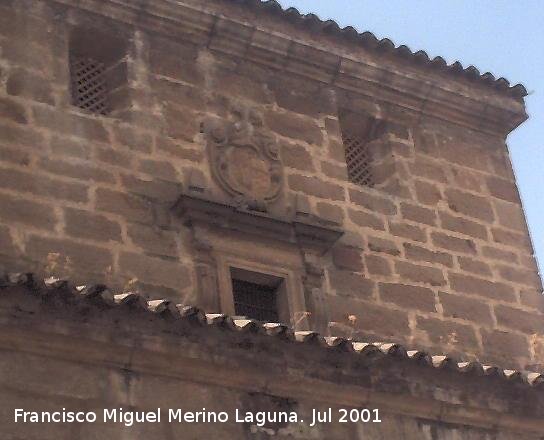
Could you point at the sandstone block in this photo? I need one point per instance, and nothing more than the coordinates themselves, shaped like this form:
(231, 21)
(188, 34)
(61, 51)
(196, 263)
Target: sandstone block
(481, 287)
(406, 296)
(373, 202)
(85, 224)
(463, 307)
(420, 274)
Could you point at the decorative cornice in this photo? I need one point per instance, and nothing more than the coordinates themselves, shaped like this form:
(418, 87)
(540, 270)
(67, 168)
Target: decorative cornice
(413, 89)
(307, 231)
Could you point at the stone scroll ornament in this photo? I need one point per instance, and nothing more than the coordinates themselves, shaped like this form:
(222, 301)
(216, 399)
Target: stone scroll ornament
(244, 159)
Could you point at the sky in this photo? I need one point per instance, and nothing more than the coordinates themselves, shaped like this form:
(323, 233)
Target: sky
(503, 37)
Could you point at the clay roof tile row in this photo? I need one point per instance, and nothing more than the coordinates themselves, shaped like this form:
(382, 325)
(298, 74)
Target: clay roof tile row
(101, 297)
(385, 45)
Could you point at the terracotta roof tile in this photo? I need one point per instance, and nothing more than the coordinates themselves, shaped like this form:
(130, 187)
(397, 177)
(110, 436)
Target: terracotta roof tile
(100, 295)
(370, 41)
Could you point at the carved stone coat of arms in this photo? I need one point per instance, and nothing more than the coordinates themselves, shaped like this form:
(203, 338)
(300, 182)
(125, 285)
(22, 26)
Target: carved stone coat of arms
(244, 159)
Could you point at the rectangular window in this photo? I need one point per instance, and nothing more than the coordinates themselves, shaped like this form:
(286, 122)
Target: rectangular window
(99, 71)
(357, 131)
(256, 295)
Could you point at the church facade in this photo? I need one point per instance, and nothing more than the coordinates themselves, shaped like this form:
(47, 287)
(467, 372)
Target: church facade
(227, 209)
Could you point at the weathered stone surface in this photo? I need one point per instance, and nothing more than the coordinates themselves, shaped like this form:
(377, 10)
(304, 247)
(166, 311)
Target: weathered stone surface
(474, 266)
(463, 226)
(21, 82)
(347, 257)
(503, 189)
(505, 347)
(80, 171)
(499, 254)
(296, 156)
(41, 185)
(330, 212)
(427, 193)
(519, 320)
(153, 240)
(470, 205)
(452, 336)
(158, 168)
(351, 285)
(26, 212)
(154, 271)
(510, 238)
(481, 287)
(338, 172)
(86, 127)
(510, 216)
(460, 306)
(406, 230)
(428, 170)
(156, 189)
(418, 214)
(366, 219)
(180, 150)
(528, 277)
(443, 217)
(419, 253)
(378, 244)
(377, 265)
(316, 187)
(378, 320)
(85, 224)
(373, 202)
(294, 127)
(453, 243)
(13, 111)
(408, 297)
(73, 258)
(133, 208)
(421, 274)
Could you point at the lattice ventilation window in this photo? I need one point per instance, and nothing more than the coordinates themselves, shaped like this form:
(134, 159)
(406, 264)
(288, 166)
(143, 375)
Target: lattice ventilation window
(99, 70)
(357, 132)
(89, 87)
(358, 160)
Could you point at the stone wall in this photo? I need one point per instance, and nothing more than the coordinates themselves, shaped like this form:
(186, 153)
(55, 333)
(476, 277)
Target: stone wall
(86, 353)
(438, 257)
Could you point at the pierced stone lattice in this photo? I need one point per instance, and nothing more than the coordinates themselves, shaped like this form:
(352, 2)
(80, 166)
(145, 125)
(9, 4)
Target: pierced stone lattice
(358, 160)
(89, 89)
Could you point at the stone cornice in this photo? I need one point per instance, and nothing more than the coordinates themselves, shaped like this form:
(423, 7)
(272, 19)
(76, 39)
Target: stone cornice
(416, 92)
(308, 231)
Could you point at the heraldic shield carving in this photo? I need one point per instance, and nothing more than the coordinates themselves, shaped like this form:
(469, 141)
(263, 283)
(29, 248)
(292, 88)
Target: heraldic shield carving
(244, 159)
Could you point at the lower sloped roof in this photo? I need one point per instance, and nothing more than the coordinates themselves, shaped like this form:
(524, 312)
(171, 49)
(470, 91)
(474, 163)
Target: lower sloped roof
(100, 296)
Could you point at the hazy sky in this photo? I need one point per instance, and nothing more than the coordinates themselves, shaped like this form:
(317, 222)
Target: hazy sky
(503, 37)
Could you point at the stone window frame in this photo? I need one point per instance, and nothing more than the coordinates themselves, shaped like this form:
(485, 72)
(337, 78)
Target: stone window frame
(290, 293)
(225, 235)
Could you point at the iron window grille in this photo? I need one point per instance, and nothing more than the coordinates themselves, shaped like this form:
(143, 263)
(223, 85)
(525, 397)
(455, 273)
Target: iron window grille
(89, 88)
(256, 301)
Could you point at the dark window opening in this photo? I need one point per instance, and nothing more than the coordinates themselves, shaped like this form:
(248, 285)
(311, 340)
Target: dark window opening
(357, 131)
(98, 70)
(256, 295)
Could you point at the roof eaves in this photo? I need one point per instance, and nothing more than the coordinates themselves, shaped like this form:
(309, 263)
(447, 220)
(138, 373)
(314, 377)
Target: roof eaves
(385, 45)
(100, 296)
